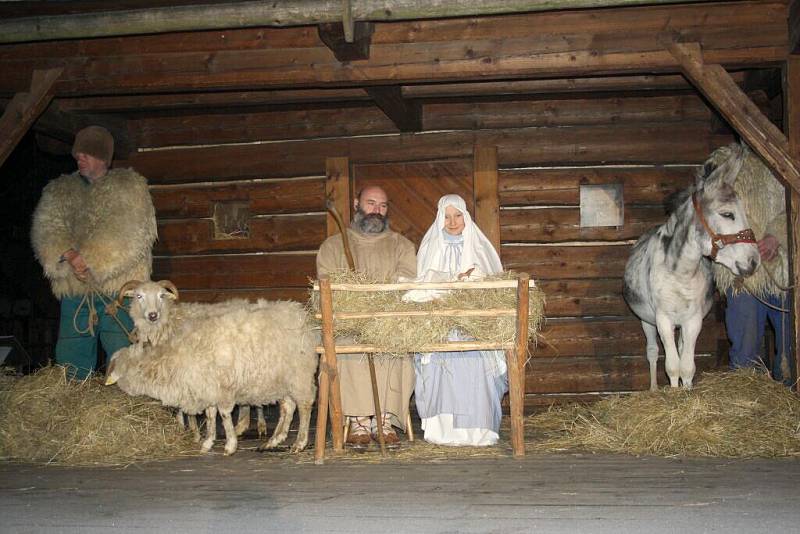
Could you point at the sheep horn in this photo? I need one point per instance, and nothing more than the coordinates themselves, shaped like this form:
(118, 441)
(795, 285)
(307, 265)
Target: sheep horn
(125, 288)
(169, 286)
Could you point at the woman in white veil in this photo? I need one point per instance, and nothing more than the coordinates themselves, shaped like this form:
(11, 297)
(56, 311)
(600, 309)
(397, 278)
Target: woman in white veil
(458, 393)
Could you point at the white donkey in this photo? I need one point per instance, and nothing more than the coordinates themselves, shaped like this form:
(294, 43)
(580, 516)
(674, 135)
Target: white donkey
(668, 279)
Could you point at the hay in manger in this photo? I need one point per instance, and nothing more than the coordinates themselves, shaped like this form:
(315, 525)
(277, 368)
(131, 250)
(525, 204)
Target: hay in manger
(50, 418)
(402, 334)
(739, 414)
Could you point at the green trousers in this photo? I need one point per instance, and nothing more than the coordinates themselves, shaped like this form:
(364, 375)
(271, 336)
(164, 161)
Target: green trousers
(79, 350)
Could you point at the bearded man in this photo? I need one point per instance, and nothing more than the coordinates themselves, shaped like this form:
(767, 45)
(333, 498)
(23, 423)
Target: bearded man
(386, 256)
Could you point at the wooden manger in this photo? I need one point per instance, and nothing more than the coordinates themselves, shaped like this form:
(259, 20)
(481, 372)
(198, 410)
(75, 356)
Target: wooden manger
(329, 393)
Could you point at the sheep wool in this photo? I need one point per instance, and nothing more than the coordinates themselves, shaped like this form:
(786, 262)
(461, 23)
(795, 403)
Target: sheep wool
(110, 222)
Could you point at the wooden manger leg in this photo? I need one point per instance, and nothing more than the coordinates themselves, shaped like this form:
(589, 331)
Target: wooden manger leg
(376, 400)
(516, 368)
(329, 395)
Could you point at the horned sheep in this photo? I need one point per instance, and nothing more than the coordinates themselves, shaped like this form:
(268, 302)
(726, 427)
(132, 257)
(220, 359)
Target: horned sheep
(208, 358)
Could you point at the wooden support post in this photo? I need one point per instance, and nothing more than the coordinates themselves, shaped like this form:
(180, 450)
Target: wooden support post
(405, 114)
(516, 369)
(25, 108)
(337, 189)
(328, 378)
(333, 35)
(487, 200)
(721, 90)
(791, 97)
(376, 402)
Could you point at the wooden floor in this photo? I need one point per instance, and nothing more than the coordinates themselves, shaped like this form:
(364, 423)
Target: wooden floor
(359, 493)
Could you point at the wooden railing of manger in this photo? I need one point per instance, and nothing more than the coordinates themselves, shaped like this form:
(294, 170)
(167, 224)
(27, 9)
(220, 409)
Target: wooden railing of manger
(516, 351)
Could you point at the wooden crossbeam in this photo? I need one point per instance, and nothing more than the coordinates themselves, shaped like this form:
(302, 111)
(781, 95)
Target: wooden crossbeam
(405, 114)
(357, 48)
(24, 109)
(56, 123)
(723, 93)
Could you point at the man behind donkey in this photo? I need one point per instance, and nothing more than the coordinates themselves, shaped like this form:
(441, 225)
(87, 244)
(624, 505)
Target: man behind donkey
(93, 230)
(384, 255)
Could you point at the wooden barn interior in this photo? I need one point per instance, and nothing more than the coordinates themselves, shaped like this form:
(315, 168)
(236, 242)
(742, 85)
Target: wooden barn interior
(246, 116)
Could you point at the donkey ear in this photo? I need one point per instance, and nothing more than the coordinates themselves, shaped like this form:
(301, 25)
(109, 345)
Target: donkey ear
(724, 165)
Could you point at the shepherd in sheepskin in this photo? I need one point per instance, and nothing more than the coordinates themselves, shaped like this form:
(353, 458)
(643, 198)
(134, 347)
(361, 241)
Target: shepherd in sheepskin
(92, 231)
(760, 297)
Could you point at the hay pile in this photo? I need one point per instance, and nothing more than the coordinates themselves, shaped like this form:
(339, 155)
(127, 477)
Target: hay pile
(400, 334)
(46, 417)
(738, 414)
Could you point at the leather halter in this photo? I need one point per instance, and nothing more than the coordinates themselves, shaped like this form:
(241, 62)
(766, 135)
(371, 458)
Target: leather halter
(720, 241)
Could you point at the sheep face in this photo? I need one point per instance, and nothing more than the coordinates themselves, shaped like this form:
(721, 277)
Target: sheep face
(151, 303)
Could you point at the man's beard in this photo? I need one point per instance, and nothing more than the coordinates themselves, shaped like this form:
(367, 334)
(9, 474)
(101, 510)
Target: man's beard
(372, 223)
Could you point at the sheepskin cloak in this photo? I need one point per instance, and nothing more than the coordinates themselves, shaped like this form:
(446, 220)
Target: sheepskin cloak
(111, 222)
(763, 198)
(385, 256)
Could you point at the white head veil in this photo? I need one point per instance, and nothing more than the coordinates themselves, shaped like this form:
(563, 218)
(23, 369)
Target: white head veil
(478, 250)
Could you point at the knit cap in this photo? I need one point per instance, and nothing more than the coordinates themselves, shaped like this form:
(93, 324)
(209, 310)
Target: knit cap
(95, 141)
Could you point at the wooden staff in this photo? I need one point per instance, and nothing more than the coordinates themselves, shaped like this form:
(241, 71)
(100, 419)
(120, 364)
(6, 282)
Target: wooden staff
(370, 359)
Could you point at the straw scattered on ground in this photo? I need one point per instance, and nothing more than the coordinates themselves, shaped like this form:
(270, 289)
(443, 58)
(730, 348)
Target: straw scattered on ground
(402, 334)
(739, 414)
(49, 418)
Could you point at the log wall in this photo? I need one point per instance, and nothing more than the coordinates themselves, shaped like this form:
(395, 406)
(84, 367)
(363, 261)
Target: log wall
(546, 149)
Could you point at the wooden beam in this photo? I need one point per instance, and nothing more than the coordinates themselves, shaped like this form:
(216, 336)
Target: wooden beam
(487, 200)
(255, 14)
(333, 35)
(756, 129)
(337, 190)
(405, 114)
(24, 108)
(792, 122)
(794, 27)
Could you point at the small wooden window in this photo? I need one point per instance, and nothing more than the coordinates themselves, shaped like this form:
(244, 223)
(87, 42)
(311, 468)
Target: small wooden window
(231, 220)
(602, 205)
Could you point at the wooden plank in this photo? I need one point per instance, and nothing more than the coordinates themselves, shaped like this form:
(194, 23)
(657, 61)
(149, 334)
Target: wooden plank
(575, 298)
(594, 84)
(792, 111)
(613, 41)
(337, 192)
(487, 202)
(648, 185)
(565, 112)
(552, 225)
(271, 233)
(609, 144)
(256, 124)
(176, 18)
(405, 114)
(763, 136)
(556, 262)
(24, 108)
(598, 374)
(264, 197)
(237, 271)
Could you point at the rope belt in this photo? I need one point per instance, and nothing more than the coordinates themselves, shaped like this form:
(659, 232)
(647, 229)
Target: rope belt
(111, 308)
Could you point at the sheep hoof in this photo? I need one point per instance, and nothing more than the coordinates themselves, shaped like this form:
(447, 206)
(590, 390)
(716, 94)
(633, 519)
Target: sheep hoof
(207, 445)
(229, 450)
(297, 448)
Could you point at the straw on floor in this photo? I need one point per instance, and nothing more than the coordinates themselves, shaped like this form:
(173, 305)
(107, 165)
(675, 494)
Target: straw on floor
(47, 417)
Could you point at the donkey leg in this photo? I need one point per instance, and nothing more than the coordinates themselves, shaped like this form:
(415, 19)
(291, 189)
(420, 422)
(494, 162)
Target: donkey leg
(651, 334)
(666, 330)
(689, 332)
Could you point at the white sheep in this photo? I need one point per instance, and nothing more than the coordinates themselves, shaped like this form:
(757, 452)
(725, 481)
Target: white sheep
(210, 357)
(154, 321)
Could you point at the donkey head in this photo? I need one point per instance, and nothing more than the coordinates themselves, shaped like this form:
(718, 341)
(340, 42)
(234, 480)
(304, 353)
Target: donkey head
(726, 235)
